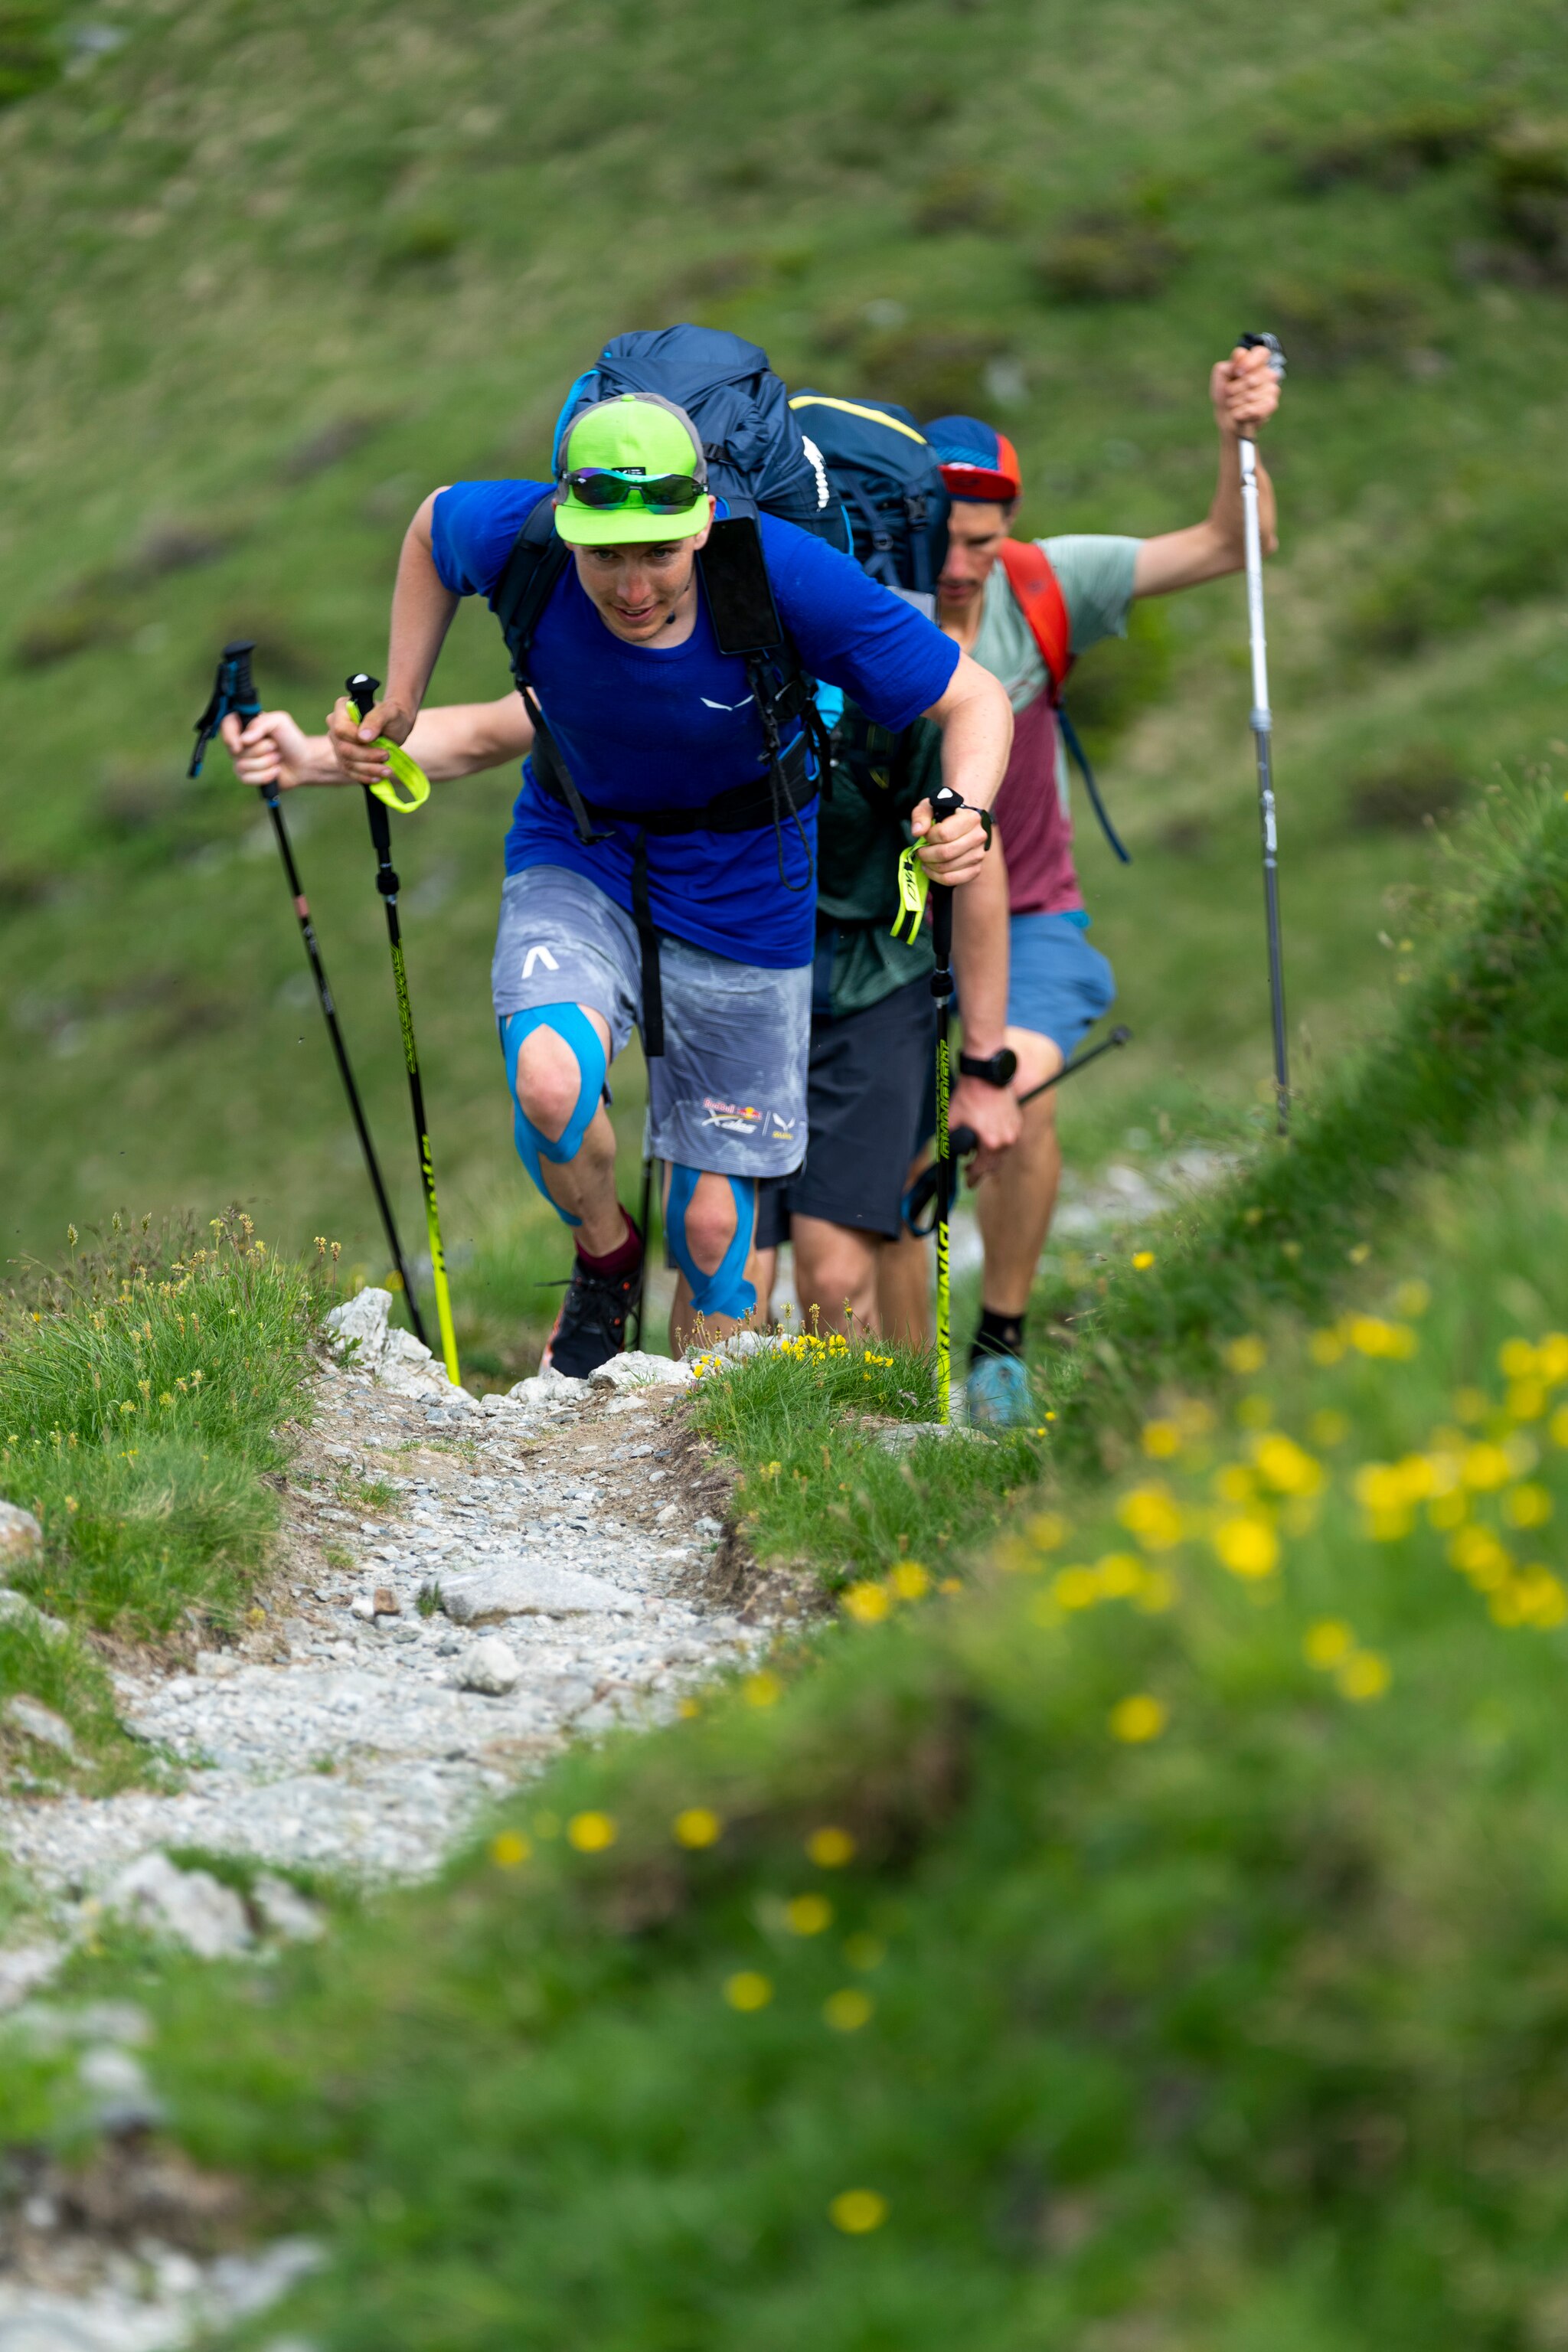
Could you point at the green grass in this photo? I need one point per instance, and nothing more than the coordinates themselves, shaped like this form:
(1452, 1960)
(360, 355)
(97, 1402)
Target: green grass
(1184, 1967)
(142, 1397)
(437, 275)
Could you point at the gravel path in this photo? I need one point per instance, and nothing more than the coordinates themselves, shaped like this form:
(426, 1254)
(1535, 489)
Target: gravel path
(563, 1549)
(583, 1532)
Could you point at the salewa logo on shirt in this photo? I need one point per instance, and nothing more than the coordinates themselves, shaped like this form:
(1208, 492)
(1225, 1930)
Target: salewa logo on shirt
(709, 703)
(538, 955)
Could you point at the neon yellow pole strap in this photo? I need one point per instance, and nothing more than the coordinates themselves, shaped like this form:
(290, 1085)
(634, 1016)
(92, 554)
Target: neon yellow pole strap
(405, 772)
(913, 887)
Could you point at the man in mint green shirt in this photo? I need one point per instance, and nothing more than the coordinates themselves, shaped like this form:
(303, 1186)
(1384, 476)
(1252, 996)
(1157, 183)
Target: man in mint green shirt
(1007, 607)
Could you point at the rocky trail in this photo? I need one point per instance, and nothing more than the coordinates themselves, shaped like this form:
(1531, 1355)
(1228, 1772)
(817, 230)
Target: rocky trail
(461, 1587)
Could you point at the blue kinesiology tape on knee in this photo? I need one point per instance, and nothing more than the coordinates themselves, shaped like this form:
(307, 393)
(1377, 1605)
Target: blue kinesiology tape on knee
(726, 1291)
(574, 1029)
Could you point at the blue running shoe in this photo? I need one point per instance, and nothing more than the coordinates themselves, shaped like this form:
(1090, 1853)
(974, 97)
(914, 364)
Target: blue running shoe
(998, 1392)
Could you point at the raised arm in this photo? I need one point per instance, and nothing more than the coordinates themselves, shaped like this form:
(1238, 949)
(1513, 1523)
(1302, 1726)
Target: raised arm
(1245, 392)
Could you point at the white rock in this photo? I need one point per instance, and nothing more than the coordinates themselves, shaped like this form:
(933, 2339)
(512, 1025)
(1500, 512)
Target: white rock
(363, 1318)
(122, 2097)
(637, 1369)
(15, 1610)
(25, 1967)
(549, 1387)
(491, 1667)
(363, 1606)
(21, 1537)
(910, 1434)
(37, 1721)
(286, 1911)
(190, 1906)
(529, 1588)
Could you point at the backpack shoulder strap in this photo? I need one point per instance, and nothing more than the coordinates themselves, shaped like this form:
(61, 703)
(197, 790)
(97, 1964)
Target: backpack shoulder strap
(1039, 593)
(528, 577)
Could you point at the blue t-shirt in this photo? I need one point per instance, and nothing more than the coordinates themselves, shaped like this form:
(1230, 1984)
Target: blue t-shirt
(670, 727)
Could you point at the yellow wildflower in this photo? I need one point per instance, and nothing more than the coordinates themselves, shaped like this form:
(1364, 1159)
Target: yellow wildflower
(1235, 1483)
(869, 1604)
(1328, 1641)
(1413, 1298)
(1526, 1507)
(1525, 1400)
(748, 1990)
(1121, 1573)
(511, 1849)
(830, 1848)
(808, 1914)
(1363, 1676)
(1372, 1335)
(761, 1689)
(1142, 1261)
(1286, 1467)
(1138, 1720)
(1484, 1467)
(1551, 1357)
(591, 1833)
(1517, 1361)
(696, 1827)
(1048, 1530)
(856, 2211)
(1542, 1597)
(1246, 1355)
(1154, 1516)
(1161, 1440)
(1075, 1587)
(909, 1579)
(1248, 1546)
(849, 2010)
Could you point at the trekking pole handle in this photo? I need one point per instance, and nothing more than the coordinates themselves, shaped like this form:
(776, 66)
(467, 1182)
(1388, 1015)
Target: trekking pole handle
(944, 803)
(362, 691)
(965, 1140)
(242, 692)
(1269, 344)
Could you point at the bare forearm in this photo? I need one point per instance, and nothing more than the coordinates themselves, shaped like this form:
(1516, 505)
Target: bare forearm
(976, 723)
(464, 739)
(980, 953)
(422, 610)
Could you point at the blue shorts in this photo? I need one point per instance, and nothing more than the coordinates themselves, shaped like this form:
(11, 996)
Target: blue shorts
(1057, 985)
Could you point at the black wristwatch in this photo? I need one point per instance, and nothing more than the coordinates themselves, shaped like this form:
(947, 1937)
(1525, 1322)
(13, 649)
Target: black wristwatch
(997, 1069)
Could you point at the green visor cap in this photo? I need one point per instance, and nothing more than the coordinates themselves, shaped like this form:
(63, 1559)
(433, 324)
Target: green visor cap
(636, 434)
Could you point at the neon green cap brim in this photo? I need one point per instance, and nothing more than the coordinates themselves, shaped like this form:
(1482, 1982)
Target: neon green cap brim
(625, 526)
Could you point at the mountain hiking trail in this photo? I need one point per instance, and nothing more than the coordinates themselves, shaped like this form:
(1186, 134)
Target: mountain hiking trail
(460, 1587)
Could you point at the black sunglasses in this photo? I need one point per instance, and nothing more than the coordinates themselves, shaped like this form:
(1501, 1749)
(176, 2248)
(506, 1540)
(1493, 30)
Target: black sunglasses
(595, 486)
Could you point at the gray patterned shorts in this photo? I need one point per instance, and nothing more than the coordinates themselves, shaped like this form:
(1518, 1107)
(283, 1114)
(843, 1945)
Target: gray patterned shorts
(728, 1093)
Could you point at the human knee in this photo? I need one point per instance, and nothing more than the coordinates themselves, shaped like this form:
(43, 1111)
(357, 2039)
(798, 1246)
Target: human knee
(710, 1225)
(832, 1265)
(556, 1065)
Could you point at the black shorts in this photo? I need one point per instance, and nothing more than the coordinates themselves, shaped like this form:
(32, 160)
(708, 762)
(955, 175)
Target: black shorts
(865, 1089)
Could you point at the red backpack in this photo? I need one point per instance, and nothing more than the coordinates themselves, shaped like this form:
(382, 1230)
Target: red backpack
(1034, 583)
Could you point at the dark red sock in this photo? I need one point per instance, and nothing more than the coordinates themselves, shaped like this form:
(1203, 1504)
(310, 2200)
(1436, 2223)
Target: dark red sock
(619, 1260)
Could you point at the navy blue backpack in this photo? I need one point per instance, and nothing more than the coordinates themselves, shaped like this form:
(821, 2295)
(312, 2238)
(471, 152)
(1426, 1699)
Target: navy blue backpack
(757, 456)
(887, 473)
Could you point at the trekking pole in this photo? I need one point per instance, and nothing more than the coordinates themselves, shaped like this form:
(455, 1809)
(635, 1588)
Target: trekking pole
(234, 690)
(944, 802)
(963, 1140)
(1262, 736)
(363, 690)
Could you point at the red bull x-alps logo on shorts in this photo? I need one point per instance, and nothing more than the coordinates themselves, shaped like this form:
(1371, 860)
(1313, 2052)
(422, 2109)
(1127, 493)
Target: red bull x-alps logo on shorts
(746, 1118)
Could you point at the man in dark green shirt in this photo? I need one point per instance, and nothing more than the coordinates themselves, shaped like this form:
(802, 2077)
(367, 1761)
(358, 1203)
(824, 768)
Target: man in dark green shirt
(873, 1030)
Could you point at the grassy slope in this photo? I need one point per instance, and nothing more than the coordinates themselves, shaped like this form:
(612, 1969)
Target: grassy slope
(1184, 1972)
(269, 274)
(143, 1396)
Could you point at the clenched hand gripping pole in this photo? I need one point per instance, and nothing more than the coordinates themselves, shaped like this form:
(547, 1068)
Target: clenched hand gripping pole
(234, 690)
(378, 798)
(1263, 739)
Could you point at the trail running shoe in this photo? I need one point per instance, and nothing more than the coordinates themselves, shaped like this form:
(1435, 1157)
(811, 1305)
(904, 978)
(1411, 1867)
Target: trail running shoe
(591, 1325)
(998, 1392)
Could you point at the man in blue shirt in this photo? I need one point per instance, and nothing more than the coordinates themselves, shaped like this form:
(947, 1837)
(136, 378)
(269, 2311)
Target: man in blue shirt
(658, 737)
